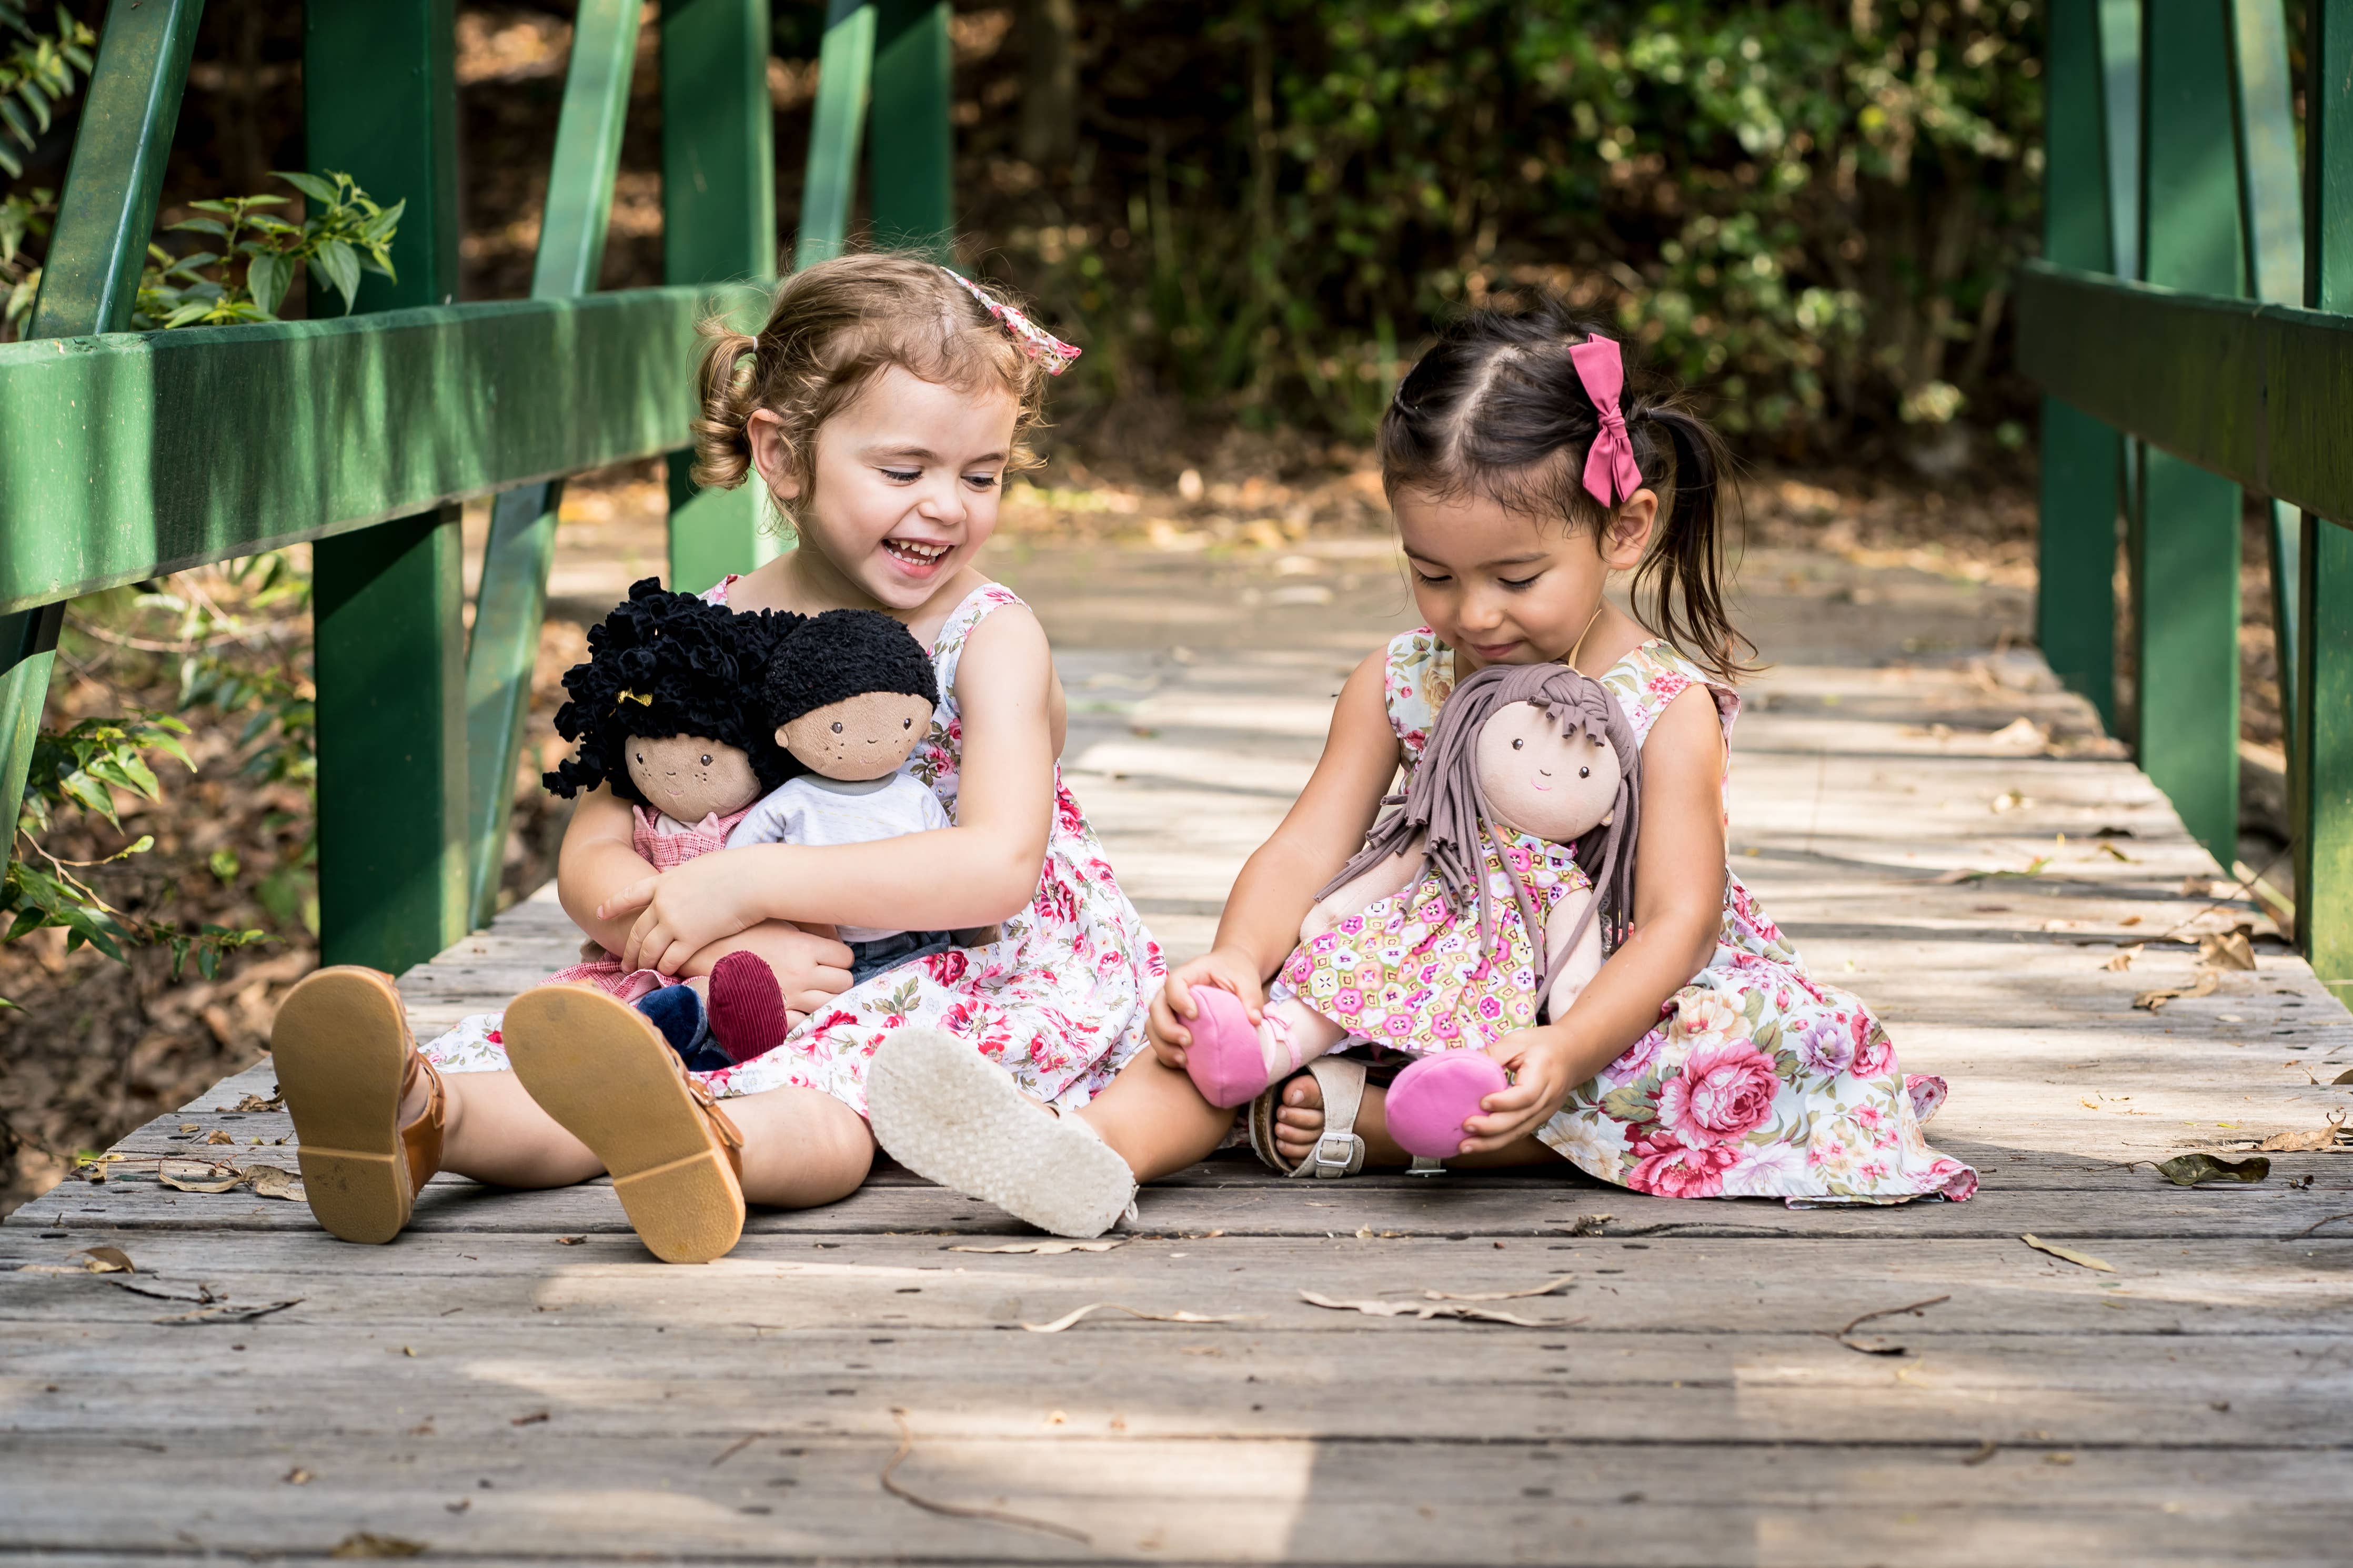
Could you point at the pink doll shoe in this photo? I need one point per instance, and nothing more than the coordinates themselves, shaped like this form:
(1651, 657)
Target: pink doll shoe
(1432, 1097)
(1225, 1060)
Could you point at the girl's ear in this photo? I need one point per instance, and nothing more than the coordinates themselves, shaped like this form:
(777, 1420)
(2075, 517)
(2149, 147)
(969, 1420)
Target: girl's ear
(771, 455)
(1625, 538)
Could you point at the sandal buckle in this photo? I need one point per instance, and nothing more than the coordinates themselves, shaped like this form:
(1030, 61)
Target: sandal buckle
(1351, 1151)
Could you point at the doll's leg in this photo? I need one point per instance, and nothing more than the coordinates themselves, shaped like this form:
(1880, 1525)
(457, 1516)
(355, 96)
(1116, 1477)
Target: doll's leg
(1572, 971)
(1231, 1061)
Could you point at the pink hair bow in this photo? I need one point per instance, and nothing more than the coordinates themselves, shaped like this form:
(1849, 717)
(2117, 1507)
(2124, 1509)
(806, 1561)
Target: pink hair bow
(1032, 339)
(1611, 472)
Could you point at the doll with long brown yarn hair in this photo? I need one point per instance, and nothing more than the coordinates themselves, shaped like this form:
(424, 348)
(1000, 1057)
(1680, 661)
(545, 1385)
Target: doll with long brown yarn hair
(1460, 917)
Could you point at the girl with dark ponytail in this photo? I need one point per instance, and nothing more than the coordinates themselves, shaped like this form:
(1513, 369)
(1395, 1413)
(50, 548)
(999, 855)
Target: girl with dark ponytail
(1528, 467)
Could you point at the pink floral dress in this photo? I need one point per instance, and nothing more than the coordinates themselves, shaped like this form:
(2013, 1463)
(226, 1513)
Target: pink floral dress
(1760, 1080)
(1059, 1001)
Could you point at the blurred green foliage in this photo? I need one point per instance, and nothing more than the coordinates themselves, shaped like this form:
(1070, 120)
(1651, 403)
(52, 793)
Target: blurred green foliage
(1809, 209)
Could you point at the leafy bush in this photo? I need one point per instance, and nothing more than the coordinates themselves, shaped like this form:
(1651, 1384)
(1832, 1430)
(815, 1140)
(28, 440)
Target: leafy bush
(343, 234)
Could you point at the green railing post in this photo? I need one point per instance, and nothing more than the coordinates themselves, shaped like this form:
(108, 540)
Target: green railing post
(911, 146)
(2322, 751)
(2187, 565)
(513, 599)
(845, 70)
(718, 226)
(91, 277)
(2076, 607)
(381, 104)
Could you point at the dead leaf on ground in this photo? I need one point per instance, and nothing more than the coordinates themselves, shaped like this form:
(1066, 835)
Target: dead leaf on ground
(190, 1127)
(297, 1477)
(94, 1167)
(2195, 886)
(1546, 1289)
(255, 1102)
(571, 1240)
(1425, 1310)
(1986, 1450)
(2227, 950)
(2081, 1259)
(2344, 1076)
(2304, 1142)
(2202, 987)
(368, 1543)
(1591, 1224)
(216, 1179)
(2189, 1170)
(270, 1182)
(2111, 849)
(108, 1260)
(2123, 959)
(226, 1313)
(533, 1419)
(1046, 1248)
(1075, 1314)
(218, 1136)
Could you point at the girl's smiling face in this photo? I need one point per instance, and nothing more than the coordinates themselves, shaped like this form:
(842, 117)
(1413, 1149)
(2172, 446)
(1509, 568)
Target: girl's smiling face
(907, 478)
(1502, 587)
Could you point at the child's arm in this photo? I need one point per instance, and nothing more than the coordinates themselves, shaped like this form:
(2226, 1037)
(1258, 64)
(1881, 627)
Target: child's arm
(1386, 877)
(980, 871)
(1679, 869)
(1277, 886)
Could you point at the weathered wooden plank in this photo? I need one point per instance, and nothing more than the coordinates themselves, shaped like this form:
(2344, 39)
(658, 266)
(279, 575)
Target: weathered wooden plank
(117, 467)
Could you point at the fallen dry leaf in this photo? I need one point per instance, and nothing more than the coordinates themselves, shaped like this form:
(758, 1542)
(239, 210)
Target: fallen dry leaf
(297, 1477)
(533, 1419)
(1546, 1289)
(255, 1102)
(570, 1240)
(2189, 1170)
(368, 1543)
(216, 1179)
(2344, 1076)
(2202, 987)
(2196, 887)
(2304, 1142)
(1986, 1450)
(270, 1182)
(2081, 1259)
(2123, 959)
(1591, 1224)
(108, 1260)
(218, 1136)
(190, 1127)
(1046, 1248)
(2111, 849)
(1068, 1318)
(2019, 731)
(2228, 949)
(1425, 1310)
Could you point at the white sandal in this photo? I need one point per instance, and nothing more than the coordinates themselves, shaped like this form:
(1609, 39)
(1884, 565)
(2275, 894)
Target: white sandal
(952, 1116)
(1339, 1152)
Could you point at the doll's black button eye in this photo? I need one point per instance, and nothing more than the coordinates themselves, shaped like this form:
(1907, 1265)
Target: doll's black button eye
(706, 759)
(1519, 745)
(837, 728)
(1585, 772)
(906, 723)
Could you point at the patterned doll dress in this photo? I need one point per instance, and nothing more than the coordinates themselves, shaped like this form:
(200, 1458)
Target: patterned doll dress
(1759, 1081)
(1060, 1001)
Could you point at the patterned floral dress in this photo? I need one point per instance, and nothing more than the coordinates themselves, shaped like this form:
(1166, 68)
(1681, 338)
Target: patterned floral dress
(1059, 1001)
(1760, 1080)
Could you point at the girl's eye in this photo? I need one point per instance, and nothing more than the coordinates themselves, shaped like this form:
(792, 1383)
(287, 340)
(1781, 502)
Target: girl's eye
(1585, 772)
(837, 726)
(1426, 577)
(981, 482)
(1519, 745)
(902, 476)
(706, 759)
(1516, 583)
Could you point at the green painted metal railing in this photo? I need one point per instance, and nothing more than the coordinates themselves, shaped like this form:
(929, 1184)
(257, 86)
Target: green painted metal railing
(2189, 325)
(129, 454)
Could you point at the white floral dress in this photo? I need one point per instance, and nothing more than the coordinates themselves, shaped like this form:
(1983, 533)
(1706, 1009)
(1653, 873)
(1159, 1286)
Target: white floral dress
(1759, 1081)
(1060, 1001)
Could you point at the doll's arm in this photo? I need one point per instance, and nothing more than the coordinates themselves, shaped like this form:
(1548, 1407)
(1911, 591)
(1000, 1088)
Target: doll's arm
(1383, 879)
(1574, 970)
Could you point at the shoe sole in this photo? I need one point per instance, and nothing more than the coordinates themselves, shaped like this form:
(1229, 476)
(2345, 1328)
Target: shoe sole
(341, 1044)
(952, 1116)
(601, 1068)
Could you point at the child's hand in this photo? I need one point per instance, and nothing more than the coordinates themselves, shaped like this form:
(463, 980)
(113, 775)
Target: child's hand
(685, 909)
(812, 968)
(1173, 1009)
(1543, 1069)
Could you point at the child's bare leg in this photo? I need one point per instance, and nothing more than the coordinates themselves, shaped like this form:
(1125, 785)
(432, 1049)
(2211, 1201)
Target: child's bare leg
(495, 1132)
(1155, 1119)
(801, 1147)
(1299, 1122)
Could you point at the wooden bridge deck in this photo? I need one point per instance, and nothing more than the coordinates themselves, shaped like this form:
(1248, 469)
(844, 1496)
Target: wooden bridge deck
(517, 1379)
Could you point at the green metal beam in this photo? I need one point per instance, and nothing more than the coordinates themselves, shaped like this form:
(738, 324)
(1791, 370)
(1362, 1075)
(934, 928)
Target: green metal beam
(2322, 751)
(2270, 224)
(2076, 607)
(845, 72)
(718, 226)
(2186, 568)
(380, 89)
(87, 285)
(512, 601)
(129, 456)
(912, 144)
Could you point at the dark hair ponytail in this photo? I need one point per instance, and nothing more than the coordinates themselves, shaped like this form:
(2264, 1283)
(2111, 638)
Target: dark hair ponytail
(1496, 408)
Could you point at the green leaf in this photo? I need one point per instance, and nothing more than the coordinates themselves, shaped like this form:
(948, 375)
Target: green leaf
(310, 185)
(266, 279)
(343, 271)
(200, 226)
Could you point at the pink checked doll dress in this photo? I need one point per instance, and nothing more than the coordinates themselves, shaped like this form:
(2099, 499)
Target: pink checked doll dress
(1759, 1081)
(1060, 1001)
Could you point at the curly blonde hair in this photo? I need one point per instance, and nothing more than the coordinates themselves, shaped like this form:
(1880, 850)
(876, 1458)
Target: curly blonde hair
(832, 327)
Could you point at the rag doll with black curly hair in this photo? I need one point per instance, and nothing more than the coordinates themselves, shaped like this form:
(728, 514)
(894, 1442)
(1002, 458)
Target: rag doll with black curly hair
(664, 715)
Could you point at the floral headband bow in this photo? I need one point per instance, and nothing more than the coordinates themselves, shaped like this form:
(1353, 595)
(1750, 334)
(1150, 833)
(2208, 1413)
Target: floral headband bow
(1033, 340)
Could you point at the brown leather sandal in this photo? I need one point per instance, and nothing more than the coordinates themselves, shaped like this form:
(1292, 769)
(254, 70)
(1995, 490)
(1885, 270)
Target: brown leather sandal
(346, 1063)
(601, 1070)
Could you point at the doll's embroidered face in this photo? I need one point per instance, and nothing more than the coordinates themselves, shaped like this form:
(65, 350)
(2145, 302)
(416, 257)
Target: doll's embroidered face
(1558, 787)
(863, 737)
(688, 777)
